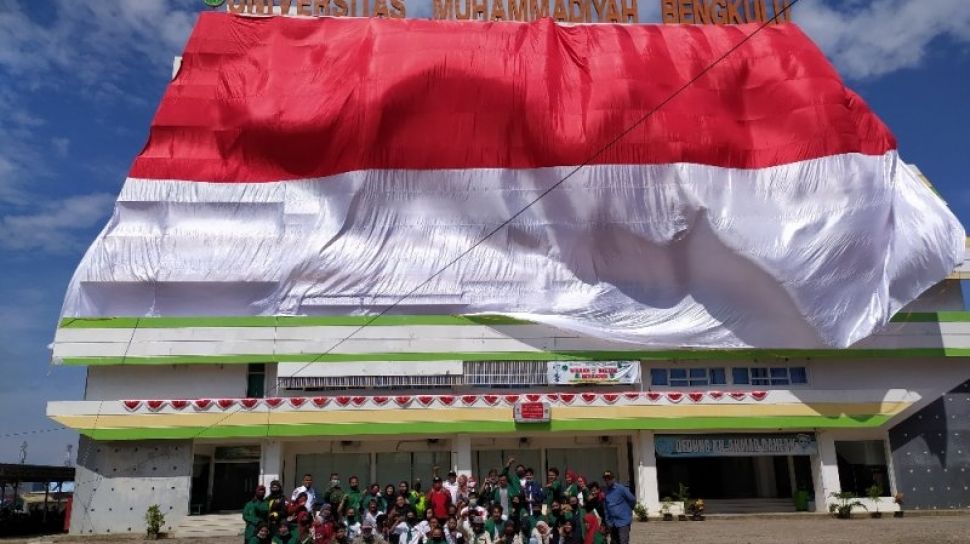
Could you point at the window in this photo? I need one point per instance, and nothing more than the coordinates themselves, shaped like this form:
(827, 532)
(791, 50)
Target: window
(256, 380)
(321, 383)
(776, 375)
(505, 373)
(687, 377)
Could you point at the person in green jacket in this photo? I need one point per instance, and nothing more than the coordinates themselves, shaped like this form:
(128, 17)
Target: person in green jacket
(261, 536)
(553, 489)
(513, 478)
(505, 491)
(255, 512)
(285, 536)
(353, 496)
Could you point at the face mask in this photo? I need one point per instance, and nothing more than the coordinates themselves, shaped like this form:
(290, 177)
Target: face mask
(334, 483)
(472, 502)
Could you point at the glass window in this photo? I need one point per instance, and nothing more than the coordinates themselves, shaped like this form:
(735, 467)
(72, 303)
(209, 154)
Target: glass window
(739, 376)
(698, 376)
(798, 375)
(658, 376)
(678, 377)
(718, 377)
(759, 376)
(256, 380)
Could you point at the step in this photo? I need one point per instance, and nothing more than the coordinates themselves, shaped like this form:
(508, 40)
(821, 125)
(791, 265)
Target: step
(209, 526)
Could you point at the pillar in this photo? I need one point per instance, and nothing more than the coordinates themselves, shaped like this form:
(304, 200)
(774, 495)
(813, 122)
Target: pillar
(271, 463)
(825, 471)
(461, 454)
(648, 492)
(765, 477)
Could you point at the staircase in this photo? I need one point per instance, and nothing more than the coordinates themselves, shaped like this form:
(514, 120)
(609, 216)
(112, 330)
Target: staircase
(748, 506)
(209, 526)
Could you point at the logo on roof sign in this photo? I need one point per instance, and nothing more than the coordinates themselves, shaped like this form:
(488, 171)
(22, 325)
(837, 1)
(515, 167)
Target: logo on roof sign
(213, 3)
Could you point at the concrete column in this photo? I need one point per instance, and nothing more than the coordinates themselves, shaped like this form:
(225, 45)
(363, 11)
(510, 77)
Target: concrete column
(825, 471)
(271, 463)
(461, 454)
(648, 492)
(765, 477)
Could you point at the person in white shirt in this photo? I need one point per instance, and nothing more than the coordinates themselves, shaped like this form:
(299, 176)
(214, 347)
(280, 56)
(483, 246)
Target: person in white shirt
(408, 529)
(451, 486)
(353, 523)
(311, 494)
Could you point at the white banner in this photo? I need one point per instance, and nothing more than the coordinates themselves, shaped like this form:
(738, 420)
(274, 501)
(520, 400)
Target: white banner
(593, 372)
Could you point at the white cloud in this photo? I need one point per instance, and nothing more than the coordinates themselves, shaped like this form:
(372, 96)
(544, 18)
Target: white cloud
(61, 146)
(50, 227)
(93, 43)
(867, 39)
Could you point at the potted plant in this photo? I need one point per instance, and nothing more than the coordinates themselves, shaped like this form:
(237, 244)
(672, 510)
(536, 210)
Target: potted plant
(844, 502)
(665, 504)
(874, 492)
(154, 519)
(683, 497)
(899, 500)
(640, 512)
(697, 510)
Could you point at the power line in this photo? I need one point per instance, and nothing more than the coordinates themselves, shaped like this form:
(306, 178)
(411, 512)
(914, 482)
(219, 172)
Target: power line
(599, 151)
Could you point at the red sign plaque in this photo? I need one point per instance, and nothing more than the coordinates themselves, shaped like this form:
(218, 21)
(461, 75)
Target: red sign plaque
(531, 412)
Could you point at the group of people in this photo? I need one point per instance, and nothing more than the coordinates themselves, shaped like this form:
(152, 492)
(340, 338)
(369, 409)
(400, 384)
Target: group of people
(509, 507)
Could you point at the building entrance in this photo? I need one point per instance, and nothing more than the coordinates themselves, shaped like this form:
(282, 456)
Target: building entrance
(735, 477)
(735, 466)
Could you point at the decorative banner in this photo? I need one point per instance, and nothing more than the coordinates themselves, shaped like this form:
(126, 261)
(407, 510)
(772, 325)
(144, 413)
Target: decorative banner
(592, 372)
(735, 445)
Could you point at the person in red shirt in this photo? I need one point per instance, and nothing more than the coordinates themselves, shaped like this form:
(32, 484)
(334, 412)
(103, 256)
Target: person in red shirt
(591, 523)
(439, 499)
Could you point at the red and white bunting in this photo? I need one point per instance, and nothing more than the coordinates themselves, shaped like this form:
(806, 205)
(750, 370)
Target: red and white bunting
(273, 402)
(202, 404)
(759, 395)
(468, 400)
(737, 395)
(296, 402)
(695, 396)
(403, 400)
(249, 404)
(132, 405)
(674, 396)
(225, 404)
(320, 402)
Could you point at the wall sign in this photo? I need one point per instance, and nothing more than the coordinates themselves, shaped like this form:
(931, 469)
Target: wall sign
(531, 412)
(735, 445)
(593, 372)
(725, 12)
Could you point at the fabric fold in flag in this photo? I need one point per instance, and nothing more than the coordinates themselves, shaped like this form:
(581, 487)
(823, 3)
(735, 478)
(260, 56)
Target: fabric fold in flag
(333, 166)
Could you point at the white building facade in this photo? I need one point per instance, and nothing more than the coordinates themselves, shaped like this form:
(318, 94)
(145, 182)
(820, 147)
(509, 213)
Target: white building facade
(192, 413)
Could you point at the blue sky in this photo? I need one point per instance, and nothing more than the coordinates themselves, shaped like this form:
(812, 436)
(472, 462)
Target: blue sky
(79, 83)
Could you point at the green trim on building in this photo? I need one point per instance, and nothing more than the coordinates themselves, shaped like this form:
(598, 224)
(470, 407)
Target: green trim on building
(385, 321)
(669, 355)
(431, 428)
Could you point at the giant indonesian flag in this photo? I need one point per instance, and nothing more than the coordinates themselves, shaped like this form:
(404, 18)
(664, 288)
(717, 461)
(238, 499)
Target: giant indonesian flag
(331, 166)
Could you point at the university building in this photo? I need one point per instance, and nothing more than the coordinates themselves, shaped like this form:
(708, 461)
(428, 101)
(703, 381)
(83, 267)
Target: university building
(190, 402)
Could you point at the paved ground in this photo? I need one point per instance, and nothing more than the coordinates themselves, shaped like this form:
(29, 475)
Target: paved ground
(808, 530)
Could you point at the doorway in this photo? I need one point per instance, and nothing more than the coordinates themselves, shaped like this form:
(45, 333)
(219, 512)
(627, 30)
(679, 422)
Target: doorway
(233, 484)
